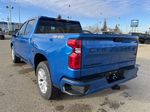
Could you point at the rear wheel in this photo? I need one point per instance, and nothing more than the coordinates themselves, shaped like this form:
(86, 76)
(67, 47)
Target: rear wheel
(15, 59)
(45, 85)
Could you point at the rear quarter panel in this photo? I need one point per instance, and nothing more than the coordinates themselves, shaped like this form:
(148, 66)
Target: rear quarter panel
(54, 48)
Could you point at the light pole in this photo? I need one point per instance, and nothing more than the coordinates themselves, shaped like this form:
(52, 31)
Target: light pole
(19, 10)
(19, 15)
(69, 6)
(3, 24)
(10, 8)
(8, 23)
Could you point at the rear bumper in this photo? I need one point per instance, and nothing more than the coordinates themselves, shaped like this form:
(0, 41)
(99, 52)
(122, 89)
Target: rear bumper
(84, 87)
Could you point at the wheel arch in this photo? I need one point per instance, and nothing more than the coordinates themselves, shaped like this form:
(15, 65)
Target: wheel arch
(39, 58)
(11, 45)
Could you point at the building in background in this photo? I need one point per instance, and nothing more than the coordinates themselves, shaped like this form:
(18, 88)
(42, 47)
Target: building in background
(14, 26)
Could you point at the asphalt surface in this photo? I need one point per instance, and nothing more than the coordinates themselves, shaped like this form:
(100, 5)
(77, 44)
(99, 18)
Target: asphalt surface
(19, 93)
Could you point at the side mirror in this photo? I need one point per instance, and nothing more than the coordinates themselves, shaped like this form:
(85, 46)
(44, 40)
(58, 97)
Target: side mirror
(14, 35)
(16, 30)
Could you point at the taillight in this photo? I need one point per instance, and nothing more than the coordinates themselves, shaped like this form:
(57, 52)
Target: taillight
(76, 57)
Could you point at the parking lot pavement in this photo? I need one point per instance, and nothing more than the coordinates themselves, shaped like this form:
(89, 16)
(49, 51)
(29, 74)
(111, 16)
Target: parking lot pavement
(18, 90)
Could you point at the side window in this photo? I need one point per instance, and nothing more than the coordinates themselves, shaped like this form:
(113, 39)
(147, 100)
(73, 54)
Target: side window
(29, 27)
(22, 30)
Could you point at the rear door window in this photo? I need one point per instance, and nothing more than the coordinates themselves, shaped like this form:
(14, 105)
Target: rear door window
(22, 30)
(29, 27)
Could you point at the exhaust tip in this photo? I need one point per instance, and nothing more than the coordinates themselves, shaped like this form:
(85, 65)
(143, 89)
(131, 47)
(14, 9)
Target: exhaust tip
(75, 90)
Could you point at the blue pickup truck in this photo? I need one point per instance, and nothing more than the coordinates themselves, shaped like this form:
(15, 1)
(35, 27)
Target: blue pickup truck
(68, 60)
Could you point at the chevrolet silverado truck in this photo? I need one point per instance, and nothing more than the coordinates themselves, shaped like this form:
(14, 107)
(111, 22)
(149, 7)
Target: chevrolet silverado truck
(67, 60)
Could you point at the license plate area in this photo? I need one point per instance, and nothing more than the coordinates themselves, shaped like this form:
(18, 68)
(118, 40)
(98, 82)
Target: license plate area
(114, 76)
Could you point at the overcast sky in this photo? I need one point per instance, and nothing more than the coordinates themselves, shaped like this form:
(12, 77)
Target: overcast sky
(88, 12)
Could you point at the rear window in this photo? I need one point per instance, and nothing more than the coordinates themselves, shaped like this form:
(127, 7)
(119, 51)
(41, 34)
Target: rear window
(46, 25)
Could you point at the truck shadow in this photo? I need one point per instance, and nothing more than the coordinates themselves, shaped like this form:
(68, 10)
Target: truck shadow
(19, 64)
(25, 71)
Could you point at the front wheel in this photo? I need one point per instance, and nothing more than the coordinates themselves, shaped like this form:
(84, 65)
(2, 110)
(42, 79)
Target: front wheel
(45, 85)
(2, 37)
(15, 59)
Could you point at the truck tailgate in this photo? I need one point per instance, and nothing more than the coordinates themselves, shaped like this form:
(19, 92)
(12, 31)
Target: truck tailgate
(103, 54)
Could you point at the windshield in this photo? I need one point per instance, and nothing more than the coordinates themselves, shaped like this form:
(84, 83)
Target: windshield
(47, 25)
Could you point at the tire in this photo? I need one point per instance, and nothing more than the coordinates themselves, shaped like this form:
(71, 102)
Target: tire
(2, 37)
(45, 85)
(15, 59)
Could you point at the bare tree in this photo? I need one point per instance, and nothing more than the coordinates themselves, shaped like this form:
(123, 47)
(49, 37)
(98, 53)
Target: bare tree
(59, 17)
(104, 28)
(117, 30)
